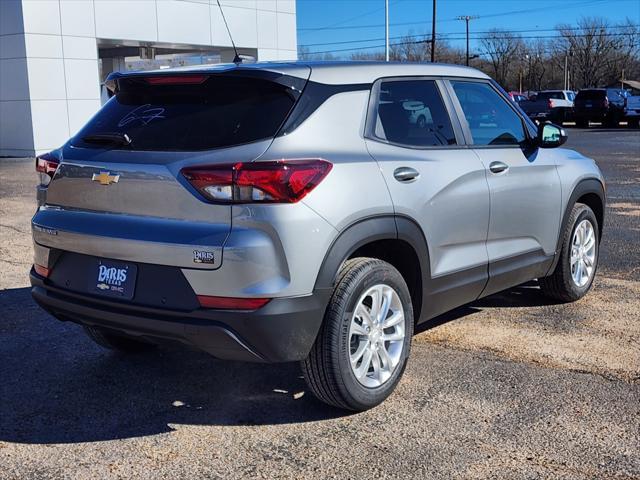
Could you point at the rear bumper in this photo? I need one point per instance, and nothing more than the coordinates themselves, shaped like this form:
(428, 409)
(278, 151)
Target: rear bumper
(283, 330)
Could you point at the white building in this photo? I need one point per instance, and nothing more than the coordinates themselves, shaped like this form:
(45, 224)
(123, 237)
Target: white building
(54, 54)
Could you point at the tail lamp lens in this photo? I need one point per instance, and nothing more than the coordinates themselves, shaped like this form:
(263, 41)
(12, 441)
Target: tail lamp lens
(282, 181)
(41, 270)
(46, 166)
(232, 303)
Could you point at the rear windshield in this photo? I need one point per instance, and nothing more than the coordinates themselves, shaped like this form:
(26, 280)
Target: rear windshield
(549, 95)
(221, 111)
(591, 94)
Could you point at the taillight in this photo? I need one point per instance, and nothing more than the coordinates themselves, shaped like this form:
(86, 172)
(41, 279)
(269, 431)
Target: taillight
(606, 102)
(281, 181)
(551, 104)
(176, 79)
(232, 303)
(41, 270)
(46, 166)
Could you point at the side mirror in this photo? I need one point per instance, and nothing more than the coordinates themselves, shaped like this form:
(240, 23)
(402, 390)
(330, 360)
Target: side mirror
(551, 136)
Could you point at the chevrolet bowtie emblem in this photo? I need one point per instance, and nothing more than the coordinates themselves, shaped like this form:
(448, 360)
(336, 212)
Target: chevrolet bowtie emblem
(105, 178)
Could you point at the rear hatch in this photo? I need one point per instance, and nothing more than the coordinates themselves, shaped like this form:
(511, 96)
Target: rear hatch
(590, 100)
(118, 191)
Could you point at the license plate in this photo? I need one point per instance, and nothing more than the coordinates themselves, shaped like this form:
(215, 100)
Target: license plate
(113, 279)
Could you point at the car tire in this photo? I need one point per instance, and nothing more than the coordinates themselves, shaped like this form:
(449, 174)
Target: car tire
(611, 121)
(348, 331)
(633, 123)
(115, 341)
(565, 283)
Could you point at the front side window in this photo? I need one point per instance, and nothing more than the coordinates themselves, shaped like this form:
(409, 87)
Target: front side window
(412, 113)
(491, 120)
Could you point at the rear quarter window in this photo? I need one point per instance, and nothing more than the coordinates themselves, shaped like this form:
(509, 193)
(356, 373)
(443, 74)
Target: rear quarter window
(221, 111)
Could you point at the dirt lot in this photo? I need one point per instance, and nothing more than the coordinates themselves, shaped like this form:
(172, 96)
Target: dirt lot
(511, 386)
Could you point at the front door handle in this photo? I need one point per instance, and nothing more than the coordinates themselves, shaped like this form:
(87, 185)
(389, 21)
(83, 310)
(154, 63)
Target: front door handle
(406, 174)
(498, 167)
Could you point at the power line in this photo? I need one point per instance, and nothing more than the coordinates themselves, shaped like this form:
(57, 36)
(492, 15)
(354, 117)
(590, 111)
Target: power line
(339, 26)
(477, 38)
(447, 36)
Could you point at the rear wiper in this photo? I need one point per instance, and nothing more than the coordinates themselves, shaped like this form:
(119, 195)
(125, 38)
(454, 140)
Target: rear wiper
(116, 138)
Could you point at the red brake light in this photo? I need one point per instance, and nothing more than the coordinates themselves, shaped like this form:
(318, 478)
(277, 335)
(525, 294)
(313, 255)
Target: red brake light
(46, 166)
(232, 303)
(42, 271)
(282, 181)
(176, 79)
(551, 105)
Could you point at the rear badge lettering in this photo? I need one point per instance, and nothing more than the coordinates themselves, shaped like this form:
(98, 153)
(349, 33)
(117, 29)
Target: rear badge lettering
(48, 231)
(203, 257)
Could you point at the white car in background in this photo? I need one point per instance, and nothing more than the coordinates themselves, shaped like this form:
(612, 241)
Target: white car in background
(419, 113)
(632, 106)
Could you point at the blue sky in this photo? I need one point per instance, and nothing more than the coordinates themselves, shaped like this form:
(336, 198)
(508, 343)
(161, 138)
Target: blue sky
(323, 21)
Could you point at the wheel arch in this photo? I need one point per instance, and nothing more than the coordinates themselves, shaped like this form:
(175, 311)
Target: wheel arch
(382, 237)
(591, 192)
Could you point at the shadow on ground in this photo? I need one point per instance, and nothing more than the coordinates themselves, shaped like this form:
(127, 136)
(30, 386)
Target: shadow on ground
(58, 387)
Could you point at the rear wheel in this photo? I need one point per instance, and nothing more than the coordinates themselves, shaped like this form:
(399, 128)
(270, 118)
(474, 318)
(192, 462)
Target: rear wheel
(576, 268)
(362, 348)
(115, 341)
(633, 123)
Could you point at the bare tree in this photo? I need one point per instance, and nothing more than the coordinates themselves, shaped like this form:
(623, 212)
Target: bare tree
(591, 46)
(534, 64)
(504, 50)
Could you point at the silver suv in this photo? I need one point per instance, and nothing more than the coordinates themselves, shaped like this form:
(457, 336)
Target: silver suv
(296, 212)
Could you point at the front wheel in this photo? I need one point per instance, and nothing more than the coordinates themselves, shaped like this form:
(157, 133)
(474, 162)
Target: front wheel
(576, 268)
(362, 348)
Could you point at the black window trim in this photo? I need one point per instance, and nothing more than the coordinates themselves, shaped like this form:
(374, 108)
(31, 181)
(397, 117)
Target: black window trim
(370, 122)
(528, 126)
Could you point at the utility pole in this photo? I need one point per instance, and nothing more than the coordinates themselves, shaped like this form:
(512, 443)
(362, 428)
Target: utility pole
(386, 30)
(433, 34)
(467, 18)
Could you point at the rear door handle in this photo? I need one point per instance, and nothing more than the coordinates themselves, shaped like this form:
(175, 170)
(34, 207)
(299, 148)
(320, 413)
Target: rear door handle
(406, 174)
(498, 167)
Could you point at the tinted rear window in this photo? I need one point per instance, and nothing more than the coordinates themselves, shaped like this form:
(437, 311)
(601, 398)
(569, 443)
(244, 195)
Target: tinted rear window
(221, 111)
(549, 95)
(590, 95)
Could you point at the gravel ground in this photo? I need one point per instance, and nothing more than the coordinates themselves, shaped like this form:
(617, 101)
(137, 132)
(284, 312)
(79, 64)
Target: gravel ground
(511, 386)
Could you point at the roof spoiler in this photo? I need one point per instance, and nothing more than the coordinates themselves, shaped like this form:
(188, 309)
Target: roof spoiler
(200, 75)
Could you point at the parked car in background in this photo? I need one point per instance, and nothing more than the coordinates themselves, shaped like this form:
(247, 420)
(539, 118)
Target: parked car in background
(517, 96)
(553, 105)
(601, 105)
(294, 212)
(632, 108)
(418, 113)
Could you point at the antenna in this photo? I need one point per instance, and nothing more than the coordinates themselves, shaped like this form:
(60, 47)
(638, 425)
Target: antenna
(237, 58)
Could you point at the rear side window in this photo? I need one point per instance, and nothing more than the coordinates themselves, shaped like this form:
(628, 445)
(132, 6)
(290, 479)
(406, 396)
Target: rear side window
(219, 111)
(491, 119)
(412, 113)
